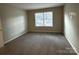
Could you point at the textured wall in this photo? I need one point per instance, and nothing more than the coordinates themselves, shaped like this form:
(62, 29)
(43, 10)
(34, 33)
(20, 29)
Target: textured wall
(57, 20)
(1, 34)
(14, 22)
(71, 25)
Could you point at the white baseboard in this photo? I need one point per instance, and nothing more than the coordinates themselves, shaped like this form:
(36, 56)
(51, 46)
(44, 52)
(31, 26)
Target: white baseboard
(72, 46)
(14, 37)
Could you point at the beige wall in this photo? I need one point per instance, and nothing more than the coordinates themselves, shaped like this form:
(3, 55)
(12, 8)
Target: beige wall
(71, 21)
(57, 20)
(1, 34)
(1, 39)
(14, 22)
(0, 23)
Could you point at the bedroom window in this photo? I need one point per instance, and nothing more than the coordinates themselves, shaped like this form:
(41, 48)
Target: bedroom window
(44, 19)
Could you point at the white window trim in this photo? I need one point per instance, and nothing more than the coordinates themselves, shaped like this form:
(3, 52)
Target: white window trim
(43, 19)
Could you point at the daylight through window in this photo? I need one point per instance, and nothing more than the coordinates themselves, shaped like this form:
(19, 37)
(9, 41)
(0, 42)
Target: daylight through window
(44, 19)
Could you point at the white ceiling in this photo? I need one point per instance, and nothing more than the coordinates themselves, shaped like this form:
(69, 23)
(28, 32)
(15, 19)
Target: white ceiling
(29, 6)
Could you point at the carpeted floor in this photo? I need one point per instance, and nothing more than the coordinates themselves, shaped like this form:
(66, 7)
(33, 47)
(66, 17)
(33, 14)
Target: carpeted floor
(38, 44)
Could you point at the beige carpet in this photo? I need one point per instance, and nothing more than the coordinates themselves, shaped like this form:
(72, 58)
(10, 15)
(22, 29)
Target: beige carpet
(38, 44)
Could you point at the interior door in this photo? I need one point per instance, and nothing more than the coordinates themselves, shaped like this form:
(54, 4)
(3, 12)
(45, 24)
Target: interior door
(1, 35)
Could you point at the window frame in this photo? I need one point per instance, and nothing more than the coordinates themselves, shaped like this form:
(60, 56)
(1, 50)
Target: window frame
(43, 19)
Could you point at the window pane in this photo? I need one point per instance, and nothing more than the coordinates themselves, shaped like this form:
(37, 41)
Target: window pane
(38, 19)
(44, 19)
(48, 21)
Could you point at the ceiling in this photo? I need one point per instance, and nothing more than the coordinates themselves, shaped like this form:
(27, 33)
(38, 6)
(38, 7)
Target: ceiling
(29, 6)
